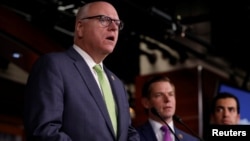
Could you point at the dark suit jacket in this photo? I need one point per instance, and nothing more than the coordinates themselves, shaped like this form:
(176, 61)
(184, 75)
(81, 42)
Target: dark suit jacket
(63, 102)
(147, 133)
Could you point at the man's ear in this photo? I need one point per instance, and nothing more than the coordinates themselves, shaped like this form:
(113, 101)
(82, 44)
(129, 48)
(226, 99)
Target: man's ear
(79, 28)
(145, 103)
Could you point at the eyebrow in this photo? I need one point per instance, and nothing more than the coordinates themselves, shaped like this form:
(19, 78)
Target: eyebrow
(230, 107)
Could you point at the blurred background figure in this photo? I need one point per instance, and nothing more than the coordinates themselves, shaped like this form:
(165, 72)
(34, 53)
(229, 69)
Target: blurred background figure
(159, 101)
(225, 109)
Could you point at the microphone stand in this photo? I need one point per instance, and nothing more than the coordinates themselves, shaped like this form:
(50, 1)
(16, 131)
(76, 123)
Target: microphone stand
(179, 120)
(154, 111)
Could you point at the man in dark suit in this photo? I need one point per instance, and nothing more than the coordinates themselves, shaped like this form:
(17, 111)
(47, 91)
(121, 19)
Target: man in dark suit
(64, 100)
(159, 93)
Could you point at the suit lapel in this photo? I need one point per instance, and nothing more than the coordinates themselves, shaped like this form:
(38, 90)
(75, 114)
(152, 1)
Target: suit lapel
(90, 82)
(178, 133)
(148, 132)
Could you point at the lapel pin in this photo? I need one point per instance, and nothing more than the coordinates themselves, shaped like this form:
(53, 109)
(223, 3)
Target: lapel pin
(113, 78)
(180, 136)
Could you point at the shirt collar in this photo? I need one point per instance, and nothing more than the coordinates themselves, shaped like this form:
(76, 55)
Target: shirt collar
(86, 56)
(156, 125)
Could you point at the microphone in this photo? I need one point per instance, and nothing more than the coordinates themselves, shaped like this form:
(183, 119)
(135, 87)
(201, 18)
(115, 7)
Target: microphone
(179, 120)
(154, 111)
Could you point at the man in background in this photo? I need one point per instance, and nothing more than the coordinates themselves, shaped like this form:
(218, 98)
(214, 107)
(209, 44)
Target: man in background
(158, 93)
(225, 109)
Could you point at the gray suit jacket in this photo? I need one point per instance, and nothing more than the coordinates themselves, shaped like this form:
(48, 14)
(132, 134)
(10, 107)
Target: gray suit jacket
(63, 102)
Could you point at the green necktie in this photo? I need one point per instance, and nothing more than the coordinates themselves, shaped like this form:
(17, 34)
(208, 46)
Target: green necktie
(108, 96)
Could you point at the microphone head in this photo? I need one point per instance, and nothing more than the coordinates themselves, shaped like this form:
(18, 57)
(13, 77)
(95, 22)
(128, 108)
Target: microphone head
(154, 111)
(177, 118)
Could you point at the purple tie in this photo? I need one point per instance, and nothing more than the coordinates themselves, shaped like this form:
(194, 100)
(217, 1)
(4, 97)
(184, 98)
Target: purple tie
(166, 136)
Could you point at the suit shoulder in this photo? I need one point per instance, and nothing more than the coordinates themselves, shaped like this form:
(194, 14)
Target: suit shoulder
(185, 136)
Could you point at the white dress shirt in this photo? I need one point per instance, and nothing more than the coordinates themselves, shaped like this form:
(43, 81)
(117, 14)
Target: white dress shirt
(158, 132)
(90, 62)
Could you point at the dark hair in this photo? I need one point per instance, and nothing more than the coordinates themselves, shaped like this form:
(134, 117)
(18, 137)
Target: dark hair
(151, 80)
(224, 95)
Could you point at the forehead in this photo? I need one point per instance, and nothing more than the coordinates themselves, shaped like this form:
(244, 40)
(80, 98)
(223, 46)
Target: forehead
(161, 85)
(226, 102)
(102, 8)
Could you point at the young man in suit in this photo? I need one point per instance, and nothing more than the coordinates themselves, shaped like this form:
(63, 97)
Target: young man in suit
(159, 93)
(64, 100)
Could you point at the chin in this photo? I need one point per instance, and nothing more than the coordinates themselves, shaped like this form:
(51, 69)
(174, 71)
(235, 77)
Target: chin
(110, 49)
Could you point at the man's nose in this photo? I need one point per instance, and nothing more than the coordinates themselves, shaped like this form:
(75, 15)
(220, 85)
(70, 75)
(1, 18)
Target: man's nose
(113, 26)
(226, 112)
(166, 97)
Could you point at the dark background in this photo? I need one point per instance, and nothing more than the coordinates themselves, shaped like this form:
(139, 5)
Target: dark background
(228, 33)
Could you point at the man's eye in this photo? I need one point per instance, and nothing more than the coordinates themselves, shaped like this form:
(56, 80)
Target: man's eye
(232, 110)
(105, 18)
(219, 109)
